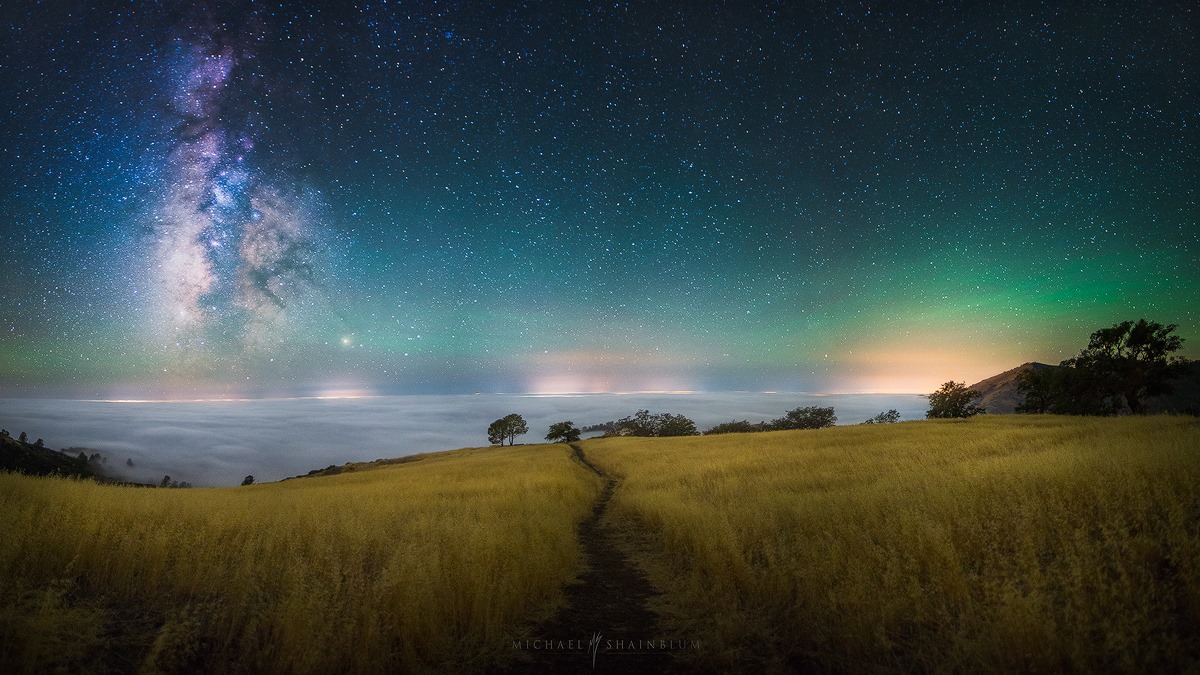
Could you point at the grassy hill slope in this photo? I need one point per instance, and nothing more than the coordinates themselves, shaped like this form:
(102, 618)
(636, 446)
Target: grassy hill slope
(999, 543)
(995, 544)
(434, 564)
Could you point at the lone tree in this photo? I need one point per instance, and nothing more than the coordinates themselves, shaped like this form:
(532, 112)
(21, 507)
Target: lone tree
(509, 426)
(811, 417)
(563, 432)
(953, 399)
(248, 480)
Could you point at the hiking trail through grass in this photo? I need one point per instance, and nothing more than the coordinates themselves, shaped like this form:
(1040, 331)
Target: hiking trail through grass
(606, 625)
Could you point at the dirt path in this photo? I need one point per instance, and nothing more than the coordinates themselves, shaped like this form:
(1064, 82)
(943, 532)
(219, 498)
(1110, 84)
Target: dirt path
(606, 625)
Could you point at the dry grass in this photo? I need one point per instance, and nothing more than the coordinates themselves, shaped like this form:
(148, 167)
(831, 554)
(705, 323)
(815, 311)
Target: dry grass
(431, 565)
(995, 544)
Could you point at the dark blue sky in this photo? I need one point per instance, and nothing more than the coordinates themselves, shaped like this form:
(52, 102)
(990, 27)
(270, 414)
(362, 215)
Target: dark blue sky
(236, 198)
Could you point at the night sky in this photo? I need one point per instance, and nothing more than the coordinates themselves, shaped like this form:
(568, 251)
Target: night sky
(234, 199)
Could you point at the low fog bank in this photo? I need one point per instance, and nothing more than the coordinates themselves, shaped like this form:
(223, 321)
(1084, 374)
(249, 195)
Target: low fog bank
(220, 442)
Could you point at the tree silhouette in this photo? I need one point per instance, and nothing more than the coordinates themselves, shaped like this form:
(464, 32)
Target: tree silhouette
(563, 432)
(509, 426)
(953, 399)
(643, 423)
(1130, 361)
(676, 425)
(811, 417)
(1121, 367)
(735, 427)
(890, 417)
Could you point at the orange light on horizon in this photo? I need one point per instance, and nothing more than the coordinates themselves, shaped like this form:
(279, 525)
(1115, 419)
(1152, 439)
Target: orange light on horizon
(918, 370)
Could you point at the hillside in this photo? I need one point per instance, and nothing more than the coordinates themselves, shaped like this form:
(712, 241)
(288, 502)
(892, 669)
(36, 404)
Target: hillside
(34, 460)
(335, 469)
(1001, 397)
(1014, 543)
(428, 566)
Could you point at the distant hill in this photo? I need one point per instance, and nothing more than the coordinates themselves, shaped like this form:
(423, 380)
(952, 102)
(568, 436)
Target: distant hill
(1000, 395)
(35, 460)
(333, 469)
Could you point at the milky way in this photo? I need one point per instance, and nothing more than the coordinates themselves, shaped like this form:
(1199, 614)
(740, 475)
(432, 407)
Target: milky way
(231, 251)
(257, 199)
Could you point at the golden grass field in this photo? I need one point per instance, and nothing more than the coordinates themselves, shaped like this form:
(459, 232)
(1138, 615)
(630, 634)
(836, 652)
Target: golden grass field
(1002, 544)
(999, 544)
(428, 565)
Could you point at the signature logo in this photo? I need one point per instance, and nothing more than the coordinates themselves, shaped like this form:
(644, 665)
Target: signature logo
(594, 646)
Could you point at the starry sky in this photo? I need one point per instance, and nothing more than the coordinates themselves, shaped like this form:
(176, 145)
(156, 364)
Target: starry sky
(262, 199)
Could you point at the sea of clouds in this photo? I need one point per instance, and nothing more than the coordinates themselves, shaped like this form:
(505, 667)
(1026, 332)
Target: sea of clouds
(220, 442)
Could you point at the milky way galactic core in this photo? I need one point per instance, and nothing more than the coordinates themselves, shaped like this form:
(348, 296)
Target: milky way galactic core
(231, 250)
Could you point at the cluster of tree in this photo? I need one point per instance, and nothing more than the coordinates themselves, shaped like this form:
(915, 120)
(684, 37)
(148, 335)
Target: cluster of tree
(1120, 368)
(644, 423)
(810, 417)
(35, 459)
(953, 399)
(167, 482)
(737, 427)
(890, 417)
(24, 438)
(94, 458)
